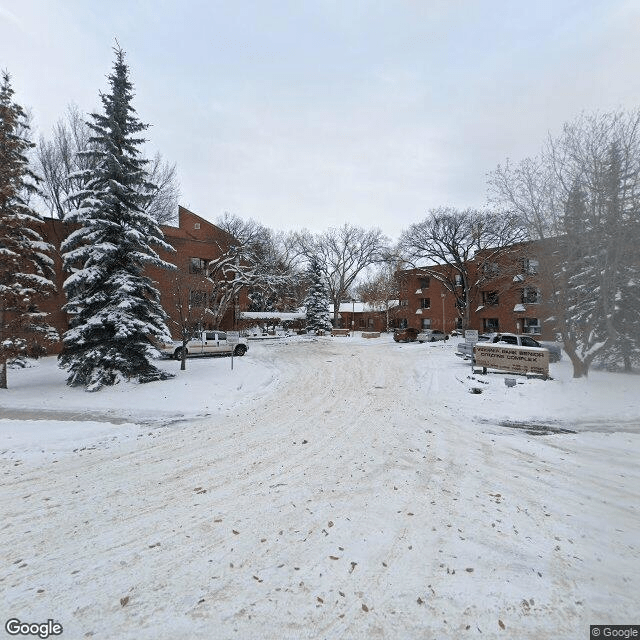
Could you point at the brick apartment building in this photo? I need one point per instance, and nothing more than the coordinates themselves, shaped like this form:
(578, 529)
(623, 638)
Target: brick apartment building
(508, 294)
(196, 242)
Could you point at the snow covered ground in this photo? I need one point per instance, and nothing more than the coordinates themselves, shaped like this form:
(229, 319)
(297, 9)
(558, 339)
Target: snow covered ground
(324, 488)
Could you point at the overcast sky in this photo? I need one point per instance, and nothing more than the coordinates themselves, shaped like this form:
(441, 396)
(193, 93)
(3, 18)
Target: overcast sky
(315, 113)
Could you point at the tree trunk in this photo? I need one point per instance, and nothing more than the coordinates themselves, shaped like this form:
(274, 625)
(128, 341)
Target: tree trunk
(3, 368)
(580, 367)
(336, 313)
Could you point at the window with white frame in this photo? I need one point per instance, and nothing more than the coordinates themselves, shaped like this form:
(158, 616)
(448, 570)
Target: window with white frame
(531, 325)
(426, 323)
(530, 295)
(530, 266)
(198, 265)
(425, 303)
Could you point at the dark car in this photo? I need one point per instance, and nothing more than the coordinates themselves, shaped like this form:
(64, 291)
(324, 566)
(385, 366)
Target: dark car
(408, 334)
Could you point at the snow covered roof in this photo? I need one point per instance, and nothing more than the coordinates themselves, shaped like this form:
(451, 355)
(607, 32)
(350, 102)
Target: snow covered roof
(272, 315)
(361, 307)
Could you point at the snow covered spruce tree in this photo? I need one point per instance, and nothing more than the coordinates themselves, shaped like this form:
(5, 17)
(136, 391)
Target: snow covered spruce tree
(25, 268)
(317, 300)
(115, 309)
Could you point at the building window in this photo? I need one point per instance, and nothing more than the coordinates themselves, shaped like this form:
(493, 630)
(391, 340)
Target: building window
(490, 298)
(530, 266)
(198, 265)
(490, 269)
(529, 295)
(490, 324)
(197, 298)
(404, 303)
(425, 282)
(402, 323)
(458, 279)
(361, 322)
(531, 325)
(425, 303)
(426, 323)
(370, 323)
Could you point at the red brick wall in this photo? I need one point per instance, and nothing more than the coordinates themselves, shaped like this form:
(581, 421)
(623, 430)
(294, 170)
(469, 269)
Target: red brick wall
(508, 284)
(194, 237)
(415, 311)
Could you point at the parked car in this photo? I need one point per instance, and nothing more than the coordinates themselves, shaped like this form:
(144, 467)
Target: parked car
(465, 350)
(431, 335)
(205, 343)
(408, 334)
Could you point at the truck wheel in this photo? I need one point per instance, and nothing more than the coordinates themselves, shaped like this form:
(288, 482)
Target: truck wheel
(240, 350)
(178, 353)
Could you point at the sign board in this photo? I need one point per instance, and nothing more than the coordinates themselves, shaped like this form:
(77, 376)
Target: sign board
(233, 337)
(509, 358)
(471, 336)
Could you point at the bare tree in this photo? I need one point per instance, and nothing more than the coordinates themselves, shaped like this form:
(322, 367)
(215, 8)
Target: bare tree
(188, 316)
(451, 239)
(163, 199)
(580, 196)
(274, 263)
(343, 254)
(62, 160)
(381, 288)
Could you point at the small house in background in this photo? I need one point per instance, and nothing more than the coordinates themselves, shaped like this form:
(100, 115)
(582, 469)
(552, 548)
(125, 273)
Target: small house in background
(361, 316)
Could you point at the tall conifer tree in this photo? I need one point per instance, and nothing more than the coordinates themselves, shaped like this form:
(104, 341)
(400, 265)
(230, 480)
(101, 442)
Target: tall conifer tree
(26, 270)
(317, 300)
(115, 309)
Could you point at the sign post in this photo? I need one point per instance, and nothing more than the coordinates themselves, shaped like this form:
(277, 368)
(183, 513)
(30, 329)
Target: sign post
(471, 337)
(233, 337)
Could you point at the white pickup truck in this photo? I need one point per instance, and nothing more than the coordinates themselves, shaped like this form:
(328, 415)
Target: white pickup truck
(465, 349)
(205, 343)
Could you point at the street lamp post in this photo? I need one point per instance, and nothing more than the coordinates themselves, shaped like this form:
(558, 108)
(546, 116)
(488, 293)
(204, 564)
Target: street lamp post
(442, 295)
(353, 316)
